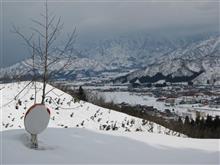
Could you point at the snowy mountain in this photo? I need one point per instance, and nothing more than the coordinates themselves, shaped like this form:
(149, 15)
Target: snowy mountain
(151, 57)
(137, 50)
(74, 67)
(198, 62)
(130, 52)
(119, 55)
(80, 132)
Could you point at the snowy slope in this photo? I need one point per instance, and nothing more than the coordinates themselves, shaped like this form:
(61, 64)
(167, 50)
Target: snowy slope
(62, 144)
(69, 146)
(65, 112)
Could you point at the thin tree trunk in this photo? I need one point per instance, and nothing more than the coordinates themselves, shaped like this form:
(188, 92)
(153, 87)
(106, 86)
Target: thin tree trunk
(45, 57)
(34, 78)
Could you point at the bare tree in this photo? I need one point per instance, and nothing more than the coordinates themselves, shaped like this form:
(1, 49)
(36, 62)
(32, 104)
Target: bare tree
(46, 33)
(34, 74)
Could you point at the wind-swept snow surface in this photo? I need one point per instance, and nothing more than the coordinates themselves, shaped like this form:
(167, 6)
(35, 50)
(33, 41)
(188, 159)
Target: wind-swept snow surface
(76, 145)
(108, 136)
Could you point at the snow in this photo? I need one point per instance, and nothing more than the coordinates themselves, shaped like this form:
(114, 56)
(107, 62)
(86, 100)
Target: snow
(131, 98)
(127, 56)
(64, 143)
(75, 145)
(144, 99)
(184, 61)
(66, 112)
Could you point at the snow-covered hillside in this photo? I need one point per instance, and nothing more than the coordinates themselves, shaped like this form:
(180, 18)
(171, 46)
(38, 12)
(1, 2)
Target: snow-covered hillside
(84, 133)
(66, 112)
(198, 62)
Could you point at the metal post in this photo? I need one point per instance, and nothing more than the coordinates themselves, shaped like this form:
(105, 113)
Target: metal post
(34, 141)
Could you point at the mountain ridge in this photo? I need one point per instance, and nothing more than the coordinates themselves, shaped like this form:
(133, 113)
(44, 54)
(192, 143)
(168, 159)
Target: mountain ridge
(199, 60)
(144, 55)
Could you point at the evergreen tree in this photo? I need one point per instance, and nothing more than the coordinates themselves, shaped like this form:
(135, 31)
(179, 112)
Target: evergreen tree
(81, 94)
(187, 122)
(208, 122)
(180, 120)
(197, 122)
(192, 123)
(216, 122)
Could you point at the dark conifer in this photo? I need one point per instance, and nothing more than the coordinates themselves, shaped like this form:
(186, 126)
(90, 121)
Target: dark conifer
(81, 94)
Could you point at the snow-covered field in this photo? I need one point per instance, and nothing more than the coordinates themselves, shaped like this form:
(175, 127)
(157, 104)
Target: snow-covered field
(74, 145)
(132, 98)
(143, 99)
(107, 137)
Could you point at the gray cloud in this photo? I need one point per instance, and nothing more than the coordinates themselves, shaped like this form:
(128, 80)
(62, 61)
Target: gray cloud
(104, 18)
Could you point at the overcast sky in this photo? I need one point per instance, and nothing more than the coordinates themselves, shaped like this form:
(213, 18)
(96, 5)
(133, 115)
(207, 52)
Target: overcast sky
(102, 19)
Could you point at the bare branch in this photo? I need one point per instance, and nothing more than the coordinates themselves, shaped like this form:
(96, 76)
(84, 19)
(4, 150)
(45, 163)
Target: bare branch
(69, 43)
(37, 31)
(51, 21)
(53, 34)
(62, 68)
(28, 41)
(52, 62)
(43, 15)
(38, 23)
(40, 49)
(23, 89)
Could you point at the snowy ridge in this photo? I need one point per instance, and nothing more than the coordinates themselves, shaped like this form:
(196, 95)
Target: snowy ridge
(202, 58)
(121, 54)
(73, 67)
(139, 50)
(65, 112)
